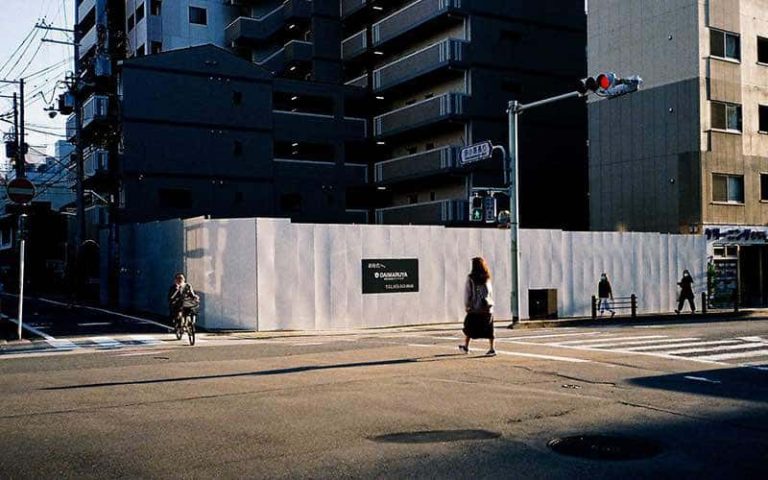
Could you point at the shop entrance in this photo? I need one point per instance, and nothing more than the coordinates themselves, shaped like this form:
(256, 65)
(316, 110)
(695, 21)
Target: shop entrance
(753, 268)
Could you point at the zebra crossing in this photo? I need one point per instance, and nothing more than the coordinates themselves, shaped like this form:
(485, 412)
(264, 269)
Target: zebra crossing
(52, 345)
(741, 351)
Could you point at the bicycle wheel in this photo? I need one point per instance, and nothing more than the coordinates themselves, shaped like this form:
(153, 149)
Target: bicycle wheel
(178, 329)
(191, 330)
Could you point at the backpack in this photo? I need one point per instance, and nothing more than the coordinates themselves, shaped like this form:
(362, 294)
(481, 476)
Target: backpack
(480, 303)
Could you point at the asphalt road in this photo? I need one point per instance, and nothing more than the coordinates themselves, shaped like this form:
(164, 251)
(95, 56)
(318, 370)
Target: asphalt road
(400, 403)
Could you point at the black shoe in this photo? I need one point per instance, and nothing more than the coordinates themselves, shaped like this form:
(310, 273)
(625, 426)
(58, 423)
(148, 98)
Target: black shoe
(491, 353)
(463, 349)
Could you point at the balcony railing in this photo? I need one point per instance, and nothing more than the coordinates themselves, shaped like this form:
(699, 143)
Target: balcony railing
(422, 164)
(348, 7)
(423, 113)
(354, 45)
(88, 42)
(449, 52)
(430, 213)
(95, 162)
(361, 81)
(71, 127)
(255, 29)
(293, 51)
(95, 108)
(410, 17)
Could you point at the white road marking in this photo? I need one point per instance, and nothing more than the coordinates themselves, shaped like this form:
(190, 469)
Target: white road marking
(32, 329)
(519, 354)
(640, 343)
(106, 342)
(701, 379)
(62, 344)
(94, 324)
(740, 346)
(551, 335)
(686, 344)
(598, 340)
(763, 352)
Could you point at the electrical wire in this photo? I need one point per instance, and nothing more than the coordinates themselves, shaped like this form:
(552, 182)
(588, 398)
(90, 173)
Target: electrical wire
(31, 32)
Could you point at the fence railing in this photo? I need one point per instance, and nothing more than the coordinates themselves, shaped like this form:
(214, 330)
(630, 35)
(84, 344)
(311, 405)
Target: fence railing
(618, 303)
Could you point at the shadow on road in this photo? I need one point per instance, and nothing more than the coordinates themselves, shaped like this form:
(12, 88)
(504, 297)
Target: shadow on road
(278, 371)
(738, 383)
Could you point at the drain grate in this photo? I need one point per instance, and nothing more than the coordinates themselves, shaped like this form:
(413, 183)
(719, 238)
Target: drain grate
(437, 436)
(605, 447)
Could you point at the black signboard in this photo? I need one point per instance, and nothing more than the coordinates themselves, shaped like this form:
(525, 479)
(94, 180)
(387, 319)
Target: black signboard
(390, 275)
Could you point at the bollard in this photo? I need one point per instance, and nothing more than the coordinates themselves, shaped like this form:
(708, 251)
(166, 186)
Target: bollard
(633, 299)
(594, 307)
(704, 303)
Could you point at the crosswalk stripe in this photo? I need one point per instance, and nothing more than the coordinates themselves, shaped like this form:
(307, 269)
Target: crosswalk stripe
(741, 346)
(763, 352)
(599, 340)
(655, 342)
(681, 345)
(105, 342)
(523, 337)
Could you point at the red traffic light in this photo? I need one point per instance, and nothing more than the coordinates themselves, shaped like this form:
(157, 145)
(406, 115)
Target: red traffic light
(603, 82)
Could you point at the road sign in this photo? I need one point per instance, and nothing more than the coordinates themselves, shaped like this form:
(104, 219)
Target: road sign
(477, 152)
(21, 190)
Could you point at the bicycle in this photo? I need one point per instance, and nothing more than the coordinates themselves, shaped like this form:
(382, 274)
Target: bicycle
(185, 323)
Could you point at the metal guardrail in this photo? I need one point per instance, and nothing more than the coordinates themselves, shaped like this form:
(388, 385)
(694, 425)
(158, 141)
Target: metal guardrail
(618, 303)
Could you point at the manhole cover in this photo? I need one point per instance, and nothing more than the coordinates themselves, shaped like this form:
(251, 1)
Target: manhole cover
(605, 447)
(437, 436)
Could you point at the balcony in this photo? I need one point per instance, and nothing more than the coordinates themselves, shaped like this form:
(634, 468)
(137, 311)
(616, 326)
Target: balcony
(413, 16)
(361, 81)
(418, 165)
(88, 42)
(95, 163)
(95, 108)
(348, 7)
(293, 52)
(430, 213)
(71, 127)
(254, 30)
(426, 112)
(448, 53)
(355, 45)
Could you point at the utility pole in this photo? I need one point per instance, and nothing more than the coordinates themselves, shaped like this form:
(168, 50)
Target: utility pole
(21, 170)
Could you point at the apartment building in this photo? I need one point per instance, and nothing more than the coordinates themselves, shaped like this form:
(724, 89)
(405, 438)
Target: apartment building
(440, 74)
(689, 152)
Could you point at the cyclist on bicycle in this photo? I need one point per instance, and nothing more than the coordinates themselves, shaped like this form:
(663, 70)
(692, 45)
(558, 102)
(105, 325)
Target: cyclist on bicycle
(182, 299)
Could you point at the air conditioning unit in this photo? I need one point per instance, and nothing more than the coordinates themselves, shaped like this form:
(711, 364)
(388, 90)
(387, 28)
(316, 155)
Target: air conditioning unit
(97, 162)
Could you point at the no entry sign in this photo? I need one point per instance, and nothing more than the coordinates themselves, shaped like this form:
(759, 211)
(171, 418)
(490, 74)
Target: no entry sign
(21, 190)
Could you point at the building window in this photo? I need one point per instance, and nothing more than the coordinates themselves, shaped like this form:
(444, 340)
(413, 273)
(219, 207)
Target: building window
(762, 50)
(156, 47)
(141, 51)
(155, 7)
(198, 16)
(130, 23)
(762, 111)
(724, 45)
(174, 198)
(727, 188)
(140, 13)
(764, 187)
(726, 116)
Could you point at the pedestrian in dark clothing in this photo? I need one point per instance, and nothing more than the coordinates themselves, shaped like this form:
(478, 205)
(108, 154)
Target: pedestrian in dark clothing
(686, 292)
(478, 302)
(604, 292)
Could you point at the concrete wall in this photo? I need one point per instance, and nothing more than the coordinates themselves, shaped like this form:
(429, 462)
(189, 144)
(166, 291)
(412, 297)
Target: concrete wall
(270, 274)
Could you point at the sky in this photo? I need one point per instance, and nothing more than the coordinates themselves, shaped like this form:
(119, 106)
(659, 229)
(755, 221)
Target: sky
(22, 54)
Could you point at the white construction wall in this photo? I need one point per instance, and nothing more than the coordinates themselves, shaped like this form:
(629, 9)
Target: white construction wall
(270, 274)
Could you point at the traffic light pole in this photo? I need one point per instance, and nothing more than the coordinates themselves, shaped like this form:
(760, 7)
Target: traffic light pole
(514, 109)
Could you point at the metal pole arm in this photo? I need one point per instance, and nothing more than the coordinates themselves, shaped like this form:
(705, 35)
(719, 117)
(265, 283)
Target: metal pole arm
(522, 107)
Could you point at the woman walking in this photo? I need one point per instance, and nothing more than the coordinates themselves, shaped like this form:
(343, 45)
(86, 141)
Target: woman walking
(686, 292)
(478, 301)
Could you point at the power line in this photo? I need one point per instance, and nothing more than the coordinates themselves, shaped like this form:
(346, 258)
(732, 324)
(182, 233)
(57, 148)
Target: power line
(18, 48)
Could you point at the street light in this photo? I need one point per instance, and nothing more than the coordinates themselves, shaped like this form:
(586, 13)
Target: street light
(608, 85)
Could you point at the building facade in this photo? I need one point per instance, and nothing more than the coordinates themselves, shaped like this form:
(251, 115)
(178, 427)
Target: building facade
(689, 152)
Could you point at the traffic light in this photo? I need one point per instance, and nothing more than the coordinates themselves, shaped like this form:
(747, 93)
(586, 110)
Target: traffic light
(490, 209)
(608, 84)
(476, 210)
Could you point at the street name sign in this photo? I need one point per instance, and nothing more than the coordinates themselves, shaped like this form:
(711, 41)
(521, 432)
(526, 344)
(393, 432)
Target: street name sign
(21, 190)
(477, 152)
